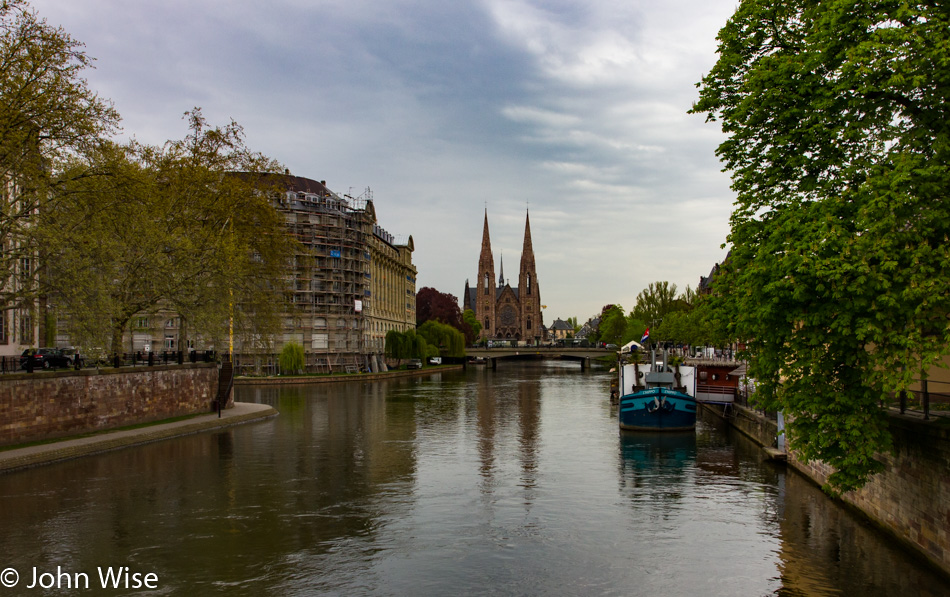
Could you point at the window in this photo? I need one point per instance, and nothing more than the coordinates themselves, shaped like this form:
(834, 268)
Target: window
(320, 341)
(320, 322)
(529, 283)
(3, 328)
(26, 327)
(486, 283)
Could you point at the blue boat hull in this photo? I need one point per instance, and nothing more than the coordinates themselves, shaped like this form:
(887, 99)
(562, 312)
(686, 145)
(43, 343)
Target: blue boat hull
(657, 409)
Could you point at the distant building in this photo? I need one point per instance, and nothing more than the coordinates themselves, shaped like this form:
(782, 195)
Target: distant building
(706, 282)
(560, 330)
(588, 328)
(506, 312)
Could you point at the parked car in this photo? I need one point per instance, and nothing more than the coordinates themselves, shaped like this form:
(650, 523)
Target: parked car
(414, 364)
(46, 358)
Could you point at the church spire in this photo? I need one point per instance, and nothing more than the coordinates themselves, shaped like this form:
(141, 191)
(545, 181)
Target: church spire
(501, 274)
(527, 251)
(484, 295)
(529, 291)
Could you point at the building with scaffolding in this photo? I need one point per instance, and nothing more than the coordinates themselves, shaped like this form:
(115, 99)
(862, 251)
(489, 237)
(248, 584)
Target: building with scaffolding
(351, 281)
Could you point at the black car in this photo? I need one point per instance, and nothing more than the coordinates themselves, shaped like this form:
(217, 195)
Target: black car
(46, 358)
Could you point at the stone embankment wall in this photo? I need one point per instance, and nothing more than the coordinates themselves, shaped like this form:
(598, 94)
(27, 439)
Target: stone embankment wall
(910, 499)
(319, 379)
(45, 405)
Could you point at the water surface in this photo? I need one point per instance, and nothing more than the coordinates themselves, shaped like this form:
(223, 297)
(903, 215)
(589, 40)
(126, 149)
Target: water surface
(509, 482)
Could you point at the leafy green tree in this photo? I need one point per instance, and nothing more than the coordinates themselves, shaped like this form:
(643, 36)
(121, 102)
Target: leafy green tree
(442, 338)
(676, 327)
(407, 345)
(613, 324)
(396, 347)
(474, 325)
(654, 302)
(291, 359)
(142, 228)
(634, 330)
(47, 114)
(838, 115)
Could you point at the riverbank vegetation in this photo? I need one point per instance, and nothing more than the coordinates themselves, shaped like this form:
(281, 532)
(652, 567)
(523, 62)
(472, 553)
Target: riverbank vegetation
(837, 118)
(431, 339)
(679, 319)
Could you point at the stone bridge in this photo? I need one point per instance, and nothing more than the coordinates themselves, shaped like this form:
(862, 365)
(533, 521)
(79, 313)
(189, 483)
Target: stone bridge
(583, 355)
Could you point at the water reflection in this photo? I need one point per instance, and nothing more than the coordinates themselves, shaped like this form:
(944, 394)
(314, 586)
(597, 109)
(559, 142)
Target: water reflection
(513, 481)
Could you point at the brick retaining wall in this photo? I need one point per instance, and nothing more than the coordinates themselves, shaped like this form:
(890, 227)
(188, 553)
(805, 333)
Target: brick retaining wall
(46, 405)
(910, 499)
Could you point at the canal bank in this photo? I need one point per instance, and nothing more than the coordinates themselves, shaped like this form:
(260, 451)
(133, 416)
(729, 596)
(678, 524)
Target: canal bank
(909, 500)
(343, 377)
(66, 449)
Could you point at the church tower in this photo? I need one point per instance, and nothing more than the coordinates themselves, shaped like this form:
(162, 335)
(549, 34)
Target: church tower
(511, 314)
(485, 285)
(528, 289)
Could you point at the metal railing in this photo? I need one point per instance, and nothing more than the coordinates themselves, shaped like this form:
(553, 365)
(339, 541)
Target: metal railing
(12, 364)
(931, 400)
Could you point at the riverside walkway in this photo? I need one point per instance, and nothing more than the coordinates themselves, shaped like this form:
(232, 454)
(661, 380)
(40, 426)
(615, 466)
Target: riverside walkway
(67, 448)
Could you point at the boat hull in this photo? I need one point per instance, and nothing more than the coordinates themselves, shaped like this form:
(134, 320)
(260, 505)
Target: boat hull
(657, 409)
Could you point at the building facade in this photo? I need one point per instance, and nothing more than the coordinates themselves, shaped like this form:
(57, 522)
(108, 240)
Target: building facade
(21, 316)
(506, 312)
(352, 281)
(392, 287)
(349, 283)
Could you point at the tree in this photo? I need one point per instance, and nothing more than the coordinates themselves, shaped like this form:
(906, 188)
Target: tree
(142, 228)
(475, 327)
(432, 304)
(838, 117)
(407, 345)
(47, 114)
(654, 302)
(613, 324)
(292, 359)
(396, 347)
(446, 340)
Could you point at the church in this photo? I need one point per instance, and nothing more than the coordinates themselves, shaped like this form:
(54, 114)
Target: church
(506, 312)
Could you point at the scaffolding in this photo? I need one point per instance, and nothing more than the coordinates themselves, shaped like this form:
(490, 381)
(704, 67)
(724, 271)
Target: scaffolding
(330, 276)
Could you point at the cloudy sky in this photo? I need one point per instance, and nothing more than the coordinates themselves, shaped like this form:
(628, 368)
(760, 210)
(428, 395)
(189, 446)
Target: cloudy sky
(572, 109)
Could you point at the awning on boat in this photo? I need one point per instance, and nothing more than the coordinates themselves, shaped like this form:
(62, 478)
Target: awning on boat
(628, 347)
(740, 371)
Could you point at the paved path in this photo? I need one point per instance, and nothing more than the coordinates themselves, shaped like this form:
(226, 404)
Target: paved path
(243, 412)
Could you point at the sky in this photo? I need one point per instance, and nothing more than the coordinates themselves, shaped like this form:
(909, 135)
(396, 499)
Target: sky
(574, 111)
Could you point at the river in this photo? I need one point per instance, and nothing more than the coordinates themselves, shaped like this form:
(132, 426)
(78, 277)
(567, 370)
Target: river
(508, 482)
